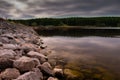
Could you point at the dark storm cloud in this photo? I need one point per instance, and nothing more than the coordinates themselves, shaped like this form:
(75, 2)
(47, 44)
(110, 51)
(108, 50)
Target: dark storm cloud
(58, 8)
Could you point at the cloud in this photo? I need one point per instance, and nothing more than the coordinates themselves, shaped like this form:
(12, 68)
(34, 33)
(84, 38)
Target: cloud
(58, 8)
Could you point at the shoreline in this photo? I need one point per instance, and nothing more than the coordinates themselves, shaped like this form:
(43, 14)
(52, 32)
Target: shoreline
(22, 54)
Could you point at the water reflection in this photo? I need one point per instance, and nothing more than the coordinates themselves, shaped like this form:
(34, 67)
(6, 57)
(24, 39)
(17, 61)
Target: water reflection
(102, 51)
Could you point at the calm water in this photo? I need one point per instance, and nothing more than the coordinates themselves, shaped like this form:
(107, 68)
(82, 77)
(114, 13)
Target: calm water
(88, 53)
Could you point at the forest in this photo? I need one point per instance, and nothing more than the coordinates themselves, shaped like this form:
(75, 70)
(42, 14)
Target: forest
(72, 21)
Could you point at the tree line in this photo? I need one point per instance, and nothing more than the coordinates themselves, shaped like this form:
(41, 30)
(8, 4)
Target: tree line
(73, 21)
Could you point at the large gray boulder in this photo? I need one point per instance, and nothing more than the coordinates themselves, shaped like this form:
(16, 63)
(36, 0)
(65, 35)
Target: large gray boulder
(5, 53)
(32, 75)
(10, 73)
(5, 63)
(24, 64)
(40, 56)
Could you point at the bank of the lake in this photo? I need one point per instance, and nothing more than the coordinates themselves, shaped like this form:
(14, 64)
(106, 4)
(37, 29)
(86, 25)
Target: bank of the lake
(23, 55)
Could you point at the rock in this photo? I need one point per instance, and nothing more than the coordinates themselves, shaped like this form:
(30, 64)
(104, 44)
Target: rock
(24, 64)
(58, 72)
(10, 46)
(30, 76)
(41, 57)
(10, 73)
(43, 46)
(46, 70)
(5, 63)
(73, 74)
(28, 46)
(1, 44)
(4, 40)
(5, 53)
(9, 36)
(47, 64)
(52, 78)
(37, 70)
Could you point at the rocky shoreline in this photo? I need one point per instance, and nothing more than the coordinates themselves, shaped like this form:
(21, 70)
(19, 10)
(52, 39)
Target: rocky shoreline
(22, 54)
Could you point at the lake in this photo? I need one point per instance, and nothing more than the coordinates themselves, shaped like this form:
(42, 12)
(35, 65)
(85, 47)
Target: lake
(86, 57)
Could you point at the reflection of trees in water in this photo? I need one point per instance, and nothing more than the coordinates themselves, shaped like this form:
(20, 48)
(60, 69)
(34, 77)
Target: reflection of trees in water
(78, 32)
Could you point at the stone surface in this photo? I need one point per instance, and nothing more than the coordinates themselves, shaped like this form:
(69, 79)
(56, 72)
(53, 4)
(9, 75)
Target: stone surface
(10, 46)
(47, 64)
(52, 78)
(10, 73)
(41, 57)
(46, 70)
(8, 35)
(24, 64)
(5, 53)
(30, 76)
(5, 63)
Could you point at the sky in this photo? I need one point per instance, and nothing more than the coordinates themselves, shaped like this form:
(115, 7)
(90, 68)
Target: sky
(25, 9)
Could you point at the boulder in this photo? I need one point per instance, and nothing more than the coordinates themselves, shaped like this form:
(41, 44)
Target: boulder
(47, 71)
(10, 46)
(4, 40)
(52, 78)
(47, 64)
(9, 36)
(10, 73)
(41, 57)
(28, 45)
(24, 64)
(5, 63)
(31, 76)
(5, 53)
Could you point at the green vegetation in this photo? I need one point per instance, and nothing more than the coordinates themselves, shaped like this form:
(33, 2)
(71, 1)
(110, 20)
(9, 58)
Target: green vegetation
(73, 21)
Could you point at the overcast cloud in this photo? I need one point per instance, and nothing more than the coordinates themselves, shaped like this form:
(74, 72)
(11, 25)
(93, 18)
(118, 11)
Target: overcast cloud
(58, 8)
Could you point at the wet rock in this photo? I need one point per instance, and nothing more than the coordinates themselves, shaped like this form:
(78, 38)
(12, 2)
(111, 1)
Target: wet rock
(43, 46)
(73, 74)
(41, 57)
(24, 64)
(5, 53)
(52, 78)
(30, 76)
(5, 63)
(58, 72)
(10, 73)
